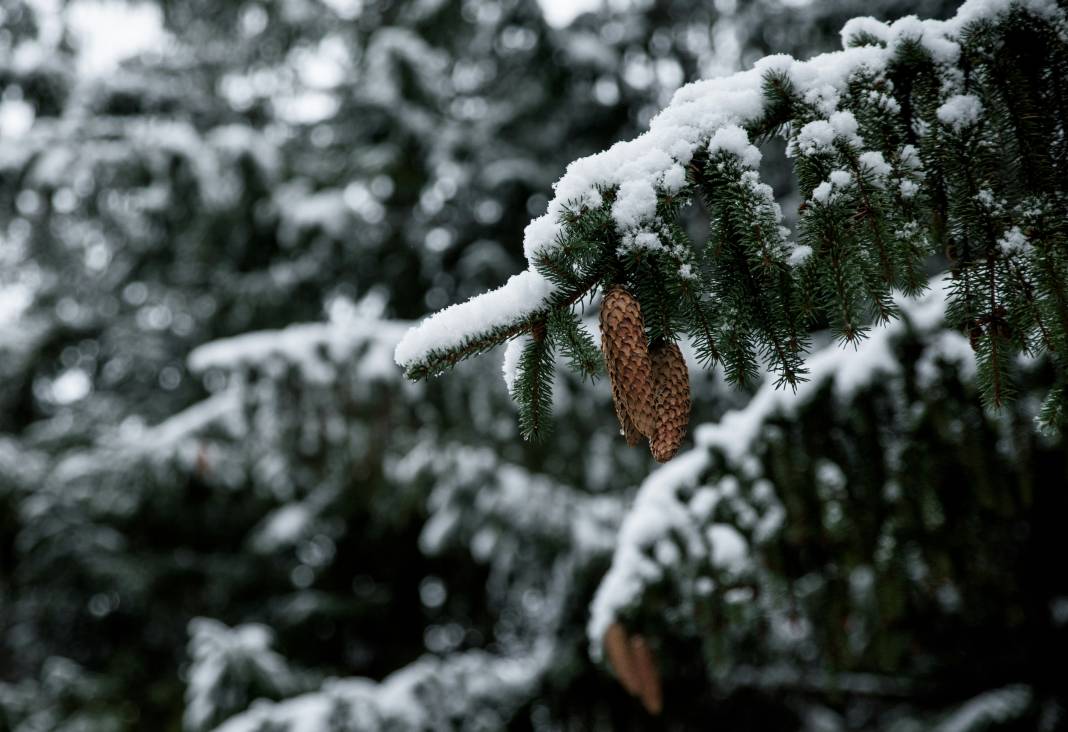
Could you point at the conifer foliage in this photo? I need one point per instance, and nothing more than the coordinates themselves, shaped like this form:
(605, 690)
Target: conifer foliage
(919, 139)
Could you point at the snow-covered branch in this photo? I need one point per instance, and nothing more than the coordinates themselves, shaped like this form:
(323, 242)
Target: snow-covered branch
(884, 134)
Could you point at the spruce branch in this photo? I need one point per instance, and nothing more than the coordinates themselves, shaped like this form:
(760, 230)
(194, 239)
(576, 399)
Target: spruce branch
(575, 342)
(533, 388)
(438, 361)
(915, 138)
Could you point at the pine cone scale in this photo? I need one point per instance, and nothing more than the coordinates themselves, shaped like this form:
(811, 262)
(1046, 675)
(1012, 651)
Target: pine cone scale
(626, 424)
(627, 356)
(672, 380)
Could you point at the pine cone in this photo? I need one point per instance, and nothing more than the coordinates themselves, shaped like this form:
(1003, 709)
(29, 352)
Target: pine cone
(626, 424)
(672, 381)
(626, 355)
(617, 648)
(649, 690)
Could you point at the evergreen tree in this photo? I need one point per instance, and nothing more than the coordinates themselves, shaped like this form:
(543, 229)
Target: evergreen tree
(221, 505)
(260, 164)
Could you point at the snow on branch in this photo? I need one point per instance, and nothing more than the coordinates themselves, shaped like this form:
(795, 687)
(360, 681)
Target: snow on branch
(179, 436)
(428, 694)
(242, 654)
(353, 339)
(478, 686)
(315, 348)
(490, 503)
(425, 694)
(487, 318)
(989, 708)
(700, 552)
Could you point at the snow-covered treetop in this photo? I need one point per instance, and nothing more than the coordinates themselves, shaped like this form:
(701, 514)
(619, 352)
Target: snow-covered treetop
(883, 134)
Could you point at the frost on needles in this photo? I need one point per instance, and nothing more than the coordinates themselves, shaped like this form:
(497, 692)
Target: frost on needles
(920, 138)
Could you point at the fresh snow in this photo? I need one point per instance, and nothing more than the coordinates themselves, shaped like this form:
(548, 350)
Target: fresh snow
(845, 125)
(951, 348)
(840, 178)
(827, 191)
(733, 139)
(1014, 241)
(510, 364)
(822, 192)
(908, 188)
(282, 527)
(800, 254)
(635, 203)
(815, 136)
(875, 162)
(657, 511)
(216, 649)
(641, 240)
(960, 111)
(729, 548)
(987, 709)
(523, 294)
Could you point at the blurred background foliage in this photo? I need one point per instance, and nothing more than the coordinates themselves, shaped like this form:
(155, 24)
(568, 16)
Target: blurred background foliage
(209, 243)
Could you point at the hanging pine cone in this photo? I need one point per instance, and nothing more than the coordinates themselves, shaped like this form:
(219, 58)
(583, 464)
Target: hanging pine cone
(626, 356)
(632, 658)
(617, 648)
(649, 690)
(626, 424)
(672, 380)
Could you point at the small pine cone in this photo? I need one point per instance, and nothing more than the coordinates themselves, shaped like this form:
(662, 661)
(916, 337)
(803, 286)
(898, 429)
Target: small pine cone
(672, 380)
(617, 649)
(649, 690)
(626, 354)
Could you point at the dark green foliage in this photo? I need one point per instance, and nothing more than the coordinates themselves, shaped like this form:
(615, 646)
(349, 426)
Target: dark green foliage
(575, 343)
(699, 316)
(748, 256)
(533, 388)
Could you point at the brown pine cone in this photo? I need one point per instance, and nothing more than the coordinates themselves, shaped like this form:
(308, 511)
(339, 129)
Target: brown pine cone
(649, 690)
(672, 380)
(626, 424)
(617, 648)
(631, 657)
(626, 355)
